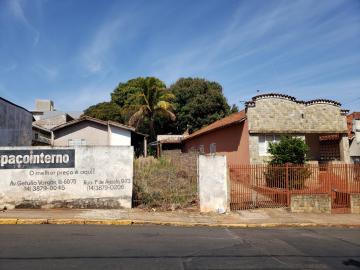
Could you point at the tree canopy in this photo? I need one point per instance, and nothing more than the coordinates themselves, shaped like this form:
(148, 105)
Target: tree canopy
(198, 102)
(105, 111)
(152, 109)
(152, 100)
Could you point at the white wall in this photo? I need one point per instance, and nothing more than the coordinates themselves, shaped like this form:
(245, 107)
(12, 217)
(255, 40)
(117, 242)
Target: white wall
(97, 177)
(213, 184)
(119, 136)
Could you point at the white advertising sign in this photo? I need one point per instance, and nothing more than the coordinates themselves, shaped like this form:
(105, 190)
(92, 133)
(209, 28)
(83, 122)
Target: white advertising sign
(77, 177)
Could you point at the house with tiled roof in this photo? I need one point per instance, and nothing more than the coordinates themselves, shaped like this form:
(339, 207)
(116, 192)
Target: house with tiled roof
(227, 136)
(244, 137)
(91, 131)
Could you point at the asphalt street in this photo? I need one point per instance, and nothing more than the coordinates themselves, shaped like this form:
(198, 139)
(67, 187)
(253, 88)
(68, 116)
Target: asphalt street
(161, 247)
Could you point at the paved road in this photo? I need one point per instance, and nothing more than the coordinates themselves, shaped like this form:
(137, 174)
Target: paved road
(156, 247)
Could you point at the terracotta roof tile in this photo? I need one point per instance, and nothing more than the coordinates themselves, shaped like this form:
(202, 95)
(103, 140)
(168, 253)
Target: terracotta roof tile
(226, 121)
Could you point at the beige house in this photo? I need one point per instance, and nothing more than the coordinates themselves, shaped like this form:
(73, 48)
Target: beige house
(92, 131)
(321, 123)
(244, 137)
(354, 136)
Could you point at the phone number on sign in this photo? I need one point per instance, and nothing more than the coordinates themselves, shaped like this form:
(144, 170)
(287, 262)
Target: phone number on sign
(46, 188)
(105, 187)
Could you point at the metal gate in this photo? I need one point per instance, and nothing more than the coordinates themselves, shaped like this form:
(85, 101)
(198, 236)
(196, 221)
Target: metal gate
(265, 186)
(249, 188)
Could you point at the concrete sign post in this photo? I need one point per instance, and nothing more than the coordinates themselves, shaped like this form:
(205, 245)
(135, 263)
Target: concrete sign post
(79, 177)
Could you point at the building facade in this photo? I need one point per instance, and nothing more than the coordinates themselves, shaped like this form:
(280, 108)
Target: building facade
(228, 136)
(244, 137)
(47, 117)
(354, 136)
(321, 123)
(41, 136)
(91, 131)
(15, 124)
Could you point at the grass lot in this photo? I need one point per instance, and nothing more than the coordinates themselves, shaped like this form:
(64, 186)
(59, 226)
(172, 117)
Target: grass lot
(160, 183)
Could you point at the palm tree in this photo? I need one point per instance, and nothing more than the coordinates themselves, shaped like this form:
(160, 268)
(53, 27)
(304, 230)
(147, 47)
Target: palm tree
(152, 100)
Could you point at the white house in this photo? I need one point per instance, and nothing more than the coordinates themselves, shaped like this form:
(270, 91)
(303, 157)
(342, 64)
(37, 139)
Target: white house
(91, 131)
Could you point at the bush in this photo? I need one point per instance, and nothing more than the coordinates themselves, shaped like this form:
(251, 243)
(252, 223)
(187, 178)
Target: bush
(275, 177)
(290, 151)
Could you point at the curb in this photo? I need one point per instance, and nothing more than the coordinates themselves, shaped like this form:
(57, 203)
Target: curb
(126, 222)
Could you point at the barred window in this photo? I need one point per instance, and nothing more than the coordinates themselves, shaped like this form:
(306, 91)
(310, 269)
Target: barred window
(76, 142)
(264, 142)
(201, 149)
(213, 148)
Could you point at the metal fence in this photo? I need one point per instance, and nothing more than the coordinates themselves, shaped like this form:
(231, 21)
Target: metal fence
(263, 185)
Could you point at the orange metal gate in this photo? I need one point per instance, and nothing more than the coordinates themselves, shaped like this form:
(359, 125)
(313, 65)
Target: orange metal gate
(265, 186)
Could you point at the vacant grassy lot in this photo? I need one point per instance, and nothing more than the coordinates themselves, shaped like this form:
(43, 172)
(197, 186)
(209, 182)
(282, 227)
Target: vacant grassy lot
(161, 183)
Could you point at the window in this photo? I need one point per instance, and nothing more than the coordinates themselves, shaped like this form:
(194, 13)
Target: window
(201, 149)
(76, 142)
(264, 141)
(213, 148)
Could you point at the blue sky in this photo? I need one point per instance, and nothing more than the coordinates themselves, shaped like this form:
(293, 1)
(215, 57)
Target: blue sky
(76, 52)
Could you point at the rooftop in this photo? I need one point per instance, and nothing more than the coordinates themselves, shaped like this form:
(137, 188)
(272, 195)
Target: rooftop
(224, 122)
(95, 120)
(291, 98)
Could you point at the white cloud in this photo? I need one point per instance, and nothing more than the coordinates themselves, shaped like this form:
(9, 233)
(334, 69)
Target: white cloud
(272, 32)
(94, 56)
(17, 10)
(49, 72)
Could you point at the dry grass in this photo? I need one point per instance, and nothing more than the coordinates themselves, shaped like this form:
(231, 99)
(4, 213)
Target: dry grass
(159, 183)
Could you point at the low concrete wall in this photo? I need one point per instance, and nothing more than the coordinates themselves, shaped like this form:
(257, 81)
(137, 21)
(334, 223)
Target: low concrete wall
(355, 203)
(213, 184)
(316, 203)
(64, 177)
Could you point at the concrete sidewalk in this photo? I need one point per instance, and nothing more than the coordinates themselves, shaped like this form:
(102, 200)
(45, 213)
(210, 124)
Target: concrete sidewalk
(247, 218)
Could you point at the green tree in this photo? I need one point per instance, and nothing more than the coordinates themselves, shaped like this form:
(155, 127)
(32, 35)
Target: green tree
(198, 102)
(288, 150)
(105, 111)
(150, 101)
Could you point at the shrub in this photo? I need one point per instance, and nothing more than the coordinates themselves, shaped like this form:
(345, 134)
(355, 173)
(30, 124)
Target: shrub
(288, 151)
(275, 177)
